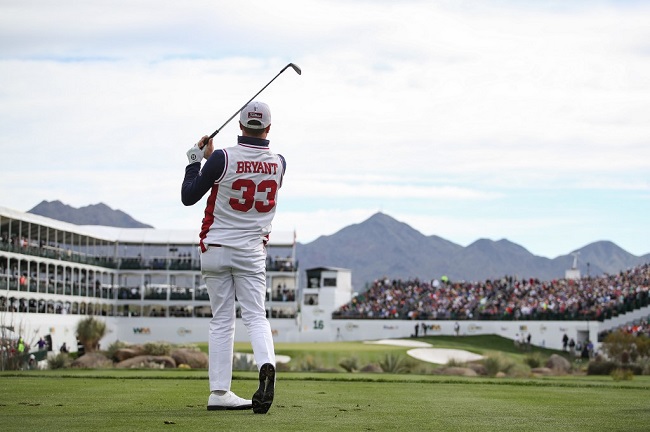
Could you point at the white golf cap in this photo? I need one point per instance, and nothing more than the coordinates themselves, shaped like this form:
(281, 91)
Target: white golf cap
(256, 115)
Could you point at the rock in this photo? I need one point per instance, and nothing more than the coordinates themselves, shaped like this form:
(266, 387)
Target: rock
(458, 371)
(92, 360)
(558, 364)
(500, 375)
(147, 362)
(478, 368)
(542, 371)
(371, 368)
(194, 359)
(127, 353)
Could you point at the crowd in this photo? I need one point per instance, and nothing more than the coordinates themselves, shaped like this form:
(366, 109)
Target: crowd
(508, 298)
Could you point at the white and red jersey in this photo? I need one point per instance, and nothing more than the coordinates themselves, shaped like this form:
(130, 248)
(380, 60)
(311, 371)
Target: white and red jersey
(243, 182)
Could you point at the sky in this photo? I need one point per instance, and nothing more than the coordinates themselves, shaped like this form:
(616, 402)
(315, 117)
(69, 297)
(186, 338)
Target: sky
(524, 120)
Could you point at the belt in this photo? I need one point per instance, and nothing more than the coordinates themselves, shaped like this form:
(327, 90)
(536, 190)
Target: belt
(213, 245)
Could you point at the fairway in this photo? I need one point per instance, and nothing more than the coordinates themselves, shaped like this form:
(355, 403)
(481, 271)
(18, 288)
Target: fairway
(173, 400)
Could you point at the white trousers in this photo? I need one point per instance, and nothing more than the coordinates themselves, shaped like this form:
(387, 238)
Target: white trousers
(228, 273)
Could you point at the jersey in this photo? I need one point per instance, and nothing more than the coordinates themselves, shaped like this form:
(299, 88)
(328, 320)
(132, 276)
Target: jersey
(243, 181)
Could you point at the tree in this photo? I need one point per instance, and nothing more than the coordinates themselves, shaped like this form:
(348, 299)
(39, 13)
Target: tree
(89, 332)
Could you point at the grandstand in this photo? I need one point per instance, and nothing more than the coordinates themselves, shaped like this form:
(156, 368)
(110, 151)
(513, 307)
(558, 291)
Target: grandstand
(146, 285)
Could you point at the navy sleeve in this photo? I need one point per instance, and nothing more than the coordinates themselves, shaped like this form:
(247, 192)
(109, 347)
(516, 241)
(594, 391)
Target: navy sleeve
(198, 181)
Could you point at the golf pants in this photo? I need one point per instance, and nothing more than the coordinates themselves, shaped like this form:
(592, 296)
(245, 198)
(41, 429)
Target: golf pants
(228, 273)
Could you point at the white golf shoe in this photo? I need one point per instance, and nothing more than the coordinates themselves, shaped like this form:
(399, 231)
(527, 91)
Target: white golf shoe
(228, 401)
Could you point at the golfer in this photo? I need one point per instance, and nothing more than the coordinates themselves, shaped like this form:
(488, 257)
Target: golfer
(242, 184)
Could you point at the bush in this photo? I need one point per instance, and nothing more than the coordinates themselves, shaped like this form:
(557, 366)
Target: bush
(59, 361)
(243, 362)
(158, 348)
(309, 364)
(608, 367)
(495, 363)
(620, 374)
(393, 363)
(114, 347)
(350, 364)
(456, 363)
(534, 360)
(89, 332)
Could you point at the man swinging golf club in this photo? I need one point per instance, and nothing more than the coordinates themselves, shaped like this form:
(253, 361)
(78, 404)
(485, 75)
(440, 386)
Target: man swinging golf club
(243, 182)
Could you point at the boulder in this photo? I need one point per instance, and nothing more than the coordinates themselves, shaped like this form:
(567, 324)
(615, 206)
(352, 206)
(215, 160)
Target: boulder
(458, 371)
(558, 364)
(147, 362)
(371, 368)
(542, 371)
(127, 353)
(192, 358)
(92, 360)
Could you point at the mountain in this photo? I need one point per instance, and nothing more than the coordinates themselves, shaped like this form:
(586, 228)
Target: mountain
(384, 247)
(97, 214)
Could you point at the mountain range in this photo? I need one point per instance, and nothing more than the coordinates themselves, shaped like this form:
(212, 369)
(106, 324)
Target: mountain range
(96, 214)
(384, 247)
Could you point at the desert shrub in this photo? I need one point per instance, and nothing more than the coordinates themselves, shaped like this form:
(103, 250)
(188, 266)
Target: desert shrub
(393, 363)
(608, 367)
(456, 363)
(620, 374)
(518, 370)
(243, 363)
(534, 360)
(497, 362)
(114, 347)
(59, 361)
(309, 363)
(350, 364)
(158, 348)
(626, 347)
(601, 367)
(644, 366)
(89, 332)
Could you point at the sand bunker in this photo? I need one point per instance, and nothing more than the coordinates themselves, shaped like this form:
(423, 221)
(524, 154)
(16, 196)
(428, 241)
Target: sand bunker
(400, 342)
(442, 356)
(423, 351)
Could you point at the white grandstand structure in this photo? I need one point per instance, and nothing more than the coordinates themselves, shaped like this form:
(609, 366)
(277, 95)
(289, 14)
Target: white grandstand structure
(146, 285)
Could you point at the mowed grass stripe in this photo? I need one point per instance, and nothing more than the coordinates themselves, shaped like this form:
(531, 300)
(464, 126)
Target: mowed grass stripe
(54, 403)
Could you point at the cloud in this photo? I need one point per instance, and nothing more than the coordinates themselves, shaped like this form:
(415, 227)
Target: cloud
(399, 104)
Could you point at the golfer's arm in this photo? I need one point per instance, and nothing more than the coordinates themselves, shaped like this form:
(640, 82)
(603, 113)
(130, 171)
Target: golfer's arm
(198, 181)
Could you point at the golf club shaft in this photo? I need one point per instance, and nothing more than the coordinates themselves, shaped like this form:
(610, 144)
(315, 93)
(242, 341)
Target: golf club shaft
(291, 65)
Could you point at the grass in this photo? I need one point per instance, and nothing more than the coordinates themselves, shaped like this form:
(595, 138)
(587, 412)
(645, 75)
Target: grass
(155, 400)
(148, 400)
(327, 355)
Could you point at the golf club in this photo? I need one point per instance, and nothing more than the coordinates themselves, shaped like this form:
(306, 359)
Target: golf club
(290, 65)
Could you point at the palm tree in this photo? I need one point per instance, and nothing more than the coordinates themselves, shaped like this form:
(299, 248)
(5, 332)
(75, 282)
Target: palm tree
(89, 332)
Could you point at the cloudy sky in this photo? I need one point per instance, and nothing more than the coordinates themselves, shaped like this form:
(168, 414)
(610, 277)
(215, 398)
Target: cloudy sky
(465, 119)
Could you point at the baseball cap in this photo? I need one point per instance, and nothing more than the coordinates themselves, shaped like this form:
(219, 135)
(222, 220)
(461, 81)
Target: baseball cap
(255, 115)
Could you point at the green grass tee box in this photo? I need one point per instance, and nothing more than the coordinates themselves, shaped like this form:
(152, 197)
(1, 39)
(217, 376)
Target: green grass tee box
(159, 400)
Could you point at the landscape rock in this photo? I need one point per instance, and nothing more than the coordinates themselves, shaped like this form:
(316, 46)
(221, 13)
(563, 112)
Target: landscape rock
(127, 353)
(458, 371)
(558, 364)
(147, 362)
(542, 371)
(192, 358)
(92, 360)
(371, 368)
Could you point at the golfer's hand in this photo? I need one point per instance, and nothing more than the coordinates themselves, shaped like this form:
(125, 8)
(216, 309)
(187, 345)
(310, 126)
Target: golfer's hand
(207, 148)
(195, 154)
